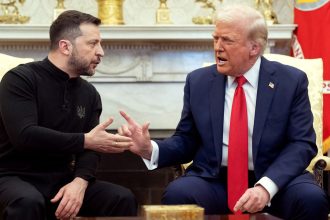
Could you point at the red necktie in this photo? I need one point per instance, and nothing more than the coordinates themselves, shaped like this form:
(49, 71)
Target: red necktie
(238, 146)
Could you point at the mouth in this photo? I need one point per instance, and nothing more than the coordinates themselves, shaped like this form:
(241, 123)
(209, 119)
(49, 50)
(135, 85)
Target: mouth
(95, 63)
(221, 60)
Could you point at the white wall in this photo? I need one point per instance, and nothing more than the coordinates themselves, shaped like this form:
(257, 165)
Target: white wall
(142, 12)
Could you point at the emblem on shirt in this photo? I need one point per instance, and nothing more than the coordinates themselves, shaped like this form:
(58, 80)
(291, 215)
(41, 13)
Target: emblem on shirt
(81, 111)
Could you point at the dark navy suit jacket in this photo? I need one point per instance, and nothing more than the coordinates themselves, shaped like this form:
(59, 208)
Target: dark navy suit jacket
(283, 141)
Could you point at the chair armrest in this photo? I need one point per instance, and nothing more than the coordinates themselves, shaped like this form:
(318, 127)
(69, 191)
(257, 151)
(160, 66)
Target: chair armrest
(179, 170)
(319, 164)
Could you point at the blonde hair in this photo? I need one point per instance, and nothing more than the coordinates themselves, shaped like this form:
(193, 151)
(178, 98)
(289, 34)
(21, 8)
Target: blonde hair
(248, 18)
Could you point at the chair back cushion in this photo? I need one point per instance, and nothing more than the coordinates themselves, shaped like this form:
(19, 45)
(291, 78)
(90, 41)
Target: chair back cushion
(8, 62)
(314, 70)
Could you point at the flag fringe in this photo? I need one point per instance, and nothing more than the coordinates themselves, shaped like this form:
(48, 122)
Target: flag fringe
(326, 145)
(296, 48)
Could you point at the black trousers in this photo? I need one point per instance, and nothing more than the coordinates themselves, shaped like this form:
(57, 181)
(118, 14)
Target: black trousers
(27, 196)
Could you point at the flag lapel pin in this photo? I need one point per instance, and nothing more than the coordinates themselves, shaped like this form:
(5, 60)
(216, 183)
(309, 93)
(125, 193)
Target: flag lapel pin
(271, 85)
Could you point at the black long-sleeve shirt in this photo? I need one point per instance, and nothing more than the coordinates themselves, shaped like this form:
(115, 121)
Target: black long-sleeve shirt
(43, 117)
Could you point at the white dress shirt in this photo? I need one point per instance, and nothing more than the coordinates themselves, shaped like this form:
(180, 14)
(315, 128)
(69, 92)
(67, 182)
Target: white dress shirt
(250, 89)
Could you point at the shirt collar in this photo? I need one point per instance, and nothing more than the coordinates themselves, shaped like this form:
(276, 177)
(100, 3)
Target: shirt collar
(252, 75)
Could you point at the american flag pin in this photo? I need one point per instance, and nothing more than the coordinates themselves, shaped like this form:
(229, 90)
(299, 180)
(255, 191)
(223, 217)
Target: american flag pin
(271, 85)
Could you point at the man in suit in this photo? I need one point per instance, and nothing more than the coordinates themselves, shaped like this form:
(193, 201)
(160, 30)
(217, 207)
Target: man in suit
(280, 135)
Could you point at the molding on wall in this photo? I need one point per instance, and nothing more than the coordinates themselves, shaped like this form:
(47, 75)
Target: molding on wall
(142, 32)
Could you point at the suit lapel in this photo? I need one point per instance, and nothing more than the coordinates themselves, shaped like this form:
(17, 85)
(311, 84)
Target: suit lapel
(267, 86)
(217, 100)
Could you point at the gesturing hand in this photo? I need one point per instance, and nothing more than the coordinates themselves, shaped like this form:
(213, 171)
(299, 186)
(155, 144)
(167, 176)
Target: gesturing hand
(139, 134)
(98, 139)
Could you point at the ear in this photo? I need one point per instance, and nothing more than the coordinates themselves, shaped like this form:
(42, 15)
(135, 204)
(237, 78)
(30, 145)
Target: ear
(255, 49)
(65, 47)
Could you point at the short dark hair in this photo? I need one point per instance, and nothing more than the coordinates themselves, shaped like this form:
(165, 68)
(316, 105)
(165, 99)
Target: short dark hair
(66, 26)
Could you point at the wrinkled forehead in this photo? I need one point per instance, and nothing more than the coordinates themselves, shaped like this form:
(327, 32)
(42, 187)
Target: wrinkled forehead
(230, 27)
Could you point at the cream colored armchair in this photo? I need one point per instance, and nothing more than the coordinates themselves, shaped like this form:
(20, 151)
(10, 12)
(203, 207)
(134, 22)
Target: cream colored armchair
(8, 62)
(314, 70)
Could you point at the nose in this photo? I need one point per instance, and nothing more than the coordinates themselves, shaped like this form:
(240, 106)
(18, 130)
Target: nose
(218, 45)
(100, 51)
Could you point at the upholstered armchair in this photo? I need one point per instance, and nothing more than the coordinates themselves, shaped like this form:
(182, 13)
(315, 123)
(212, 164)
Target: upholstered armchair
(7, 62)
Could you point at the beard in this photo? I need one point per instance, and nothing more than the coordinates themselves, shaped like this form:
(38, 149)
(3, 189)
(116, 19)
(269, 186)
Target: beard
(80, 65)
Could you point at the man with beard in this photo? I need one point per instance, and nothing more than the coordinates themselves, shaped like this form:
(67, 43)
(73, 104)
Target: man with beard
(50, 134)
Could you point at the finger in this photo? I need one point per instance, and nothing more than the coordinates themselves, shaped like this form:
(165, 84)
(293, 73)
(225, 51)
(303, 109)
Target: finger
(239, 204)
(75, 212)
(68, 209)
(145, 128)
(251, 208)
(60, 208)
(127, 118)
(126, 130)
(57, 197)
(248, 206)
(121, 138)
(106, 123)
(120, 131)
(253, 205)
(70, 212)
(121, 145)
(114, 150)
(65, 213)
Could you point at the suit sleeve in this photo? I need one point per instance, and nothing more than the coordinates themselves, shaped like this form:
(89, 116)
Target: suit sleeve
(182, 146)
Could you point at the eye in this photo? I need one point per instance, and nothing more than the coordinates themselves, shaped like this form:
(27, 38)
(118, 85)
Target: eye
(227, 40)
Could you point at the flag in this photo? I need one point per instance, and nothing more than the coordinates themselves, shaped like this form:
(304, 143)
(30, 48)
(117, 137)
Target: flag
(312, 40)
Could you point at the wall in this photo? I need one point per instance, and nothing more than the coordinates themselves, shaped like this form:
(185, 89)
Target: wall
(142, 12)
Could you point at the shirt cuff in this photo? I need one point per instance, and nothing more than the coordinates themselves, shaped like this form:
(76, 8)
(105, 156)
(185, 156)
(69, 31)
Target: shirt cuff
(153, 162)
(270, 186)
